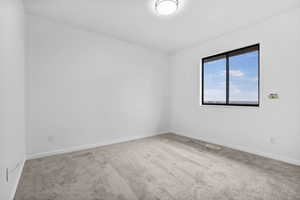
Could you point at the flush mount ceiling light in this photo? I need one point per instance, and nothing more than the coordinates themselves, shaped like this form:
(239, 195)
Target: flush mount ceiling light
(166, 7)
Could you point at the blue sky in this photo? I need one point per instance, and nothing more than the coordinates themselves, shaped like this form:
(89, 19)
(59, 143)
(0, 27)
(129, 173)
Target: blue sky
(243, 84)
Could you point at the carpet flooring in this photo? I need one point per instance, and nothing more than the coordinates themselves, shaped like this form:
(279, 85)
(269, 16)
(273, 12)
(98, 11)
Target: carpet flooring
(164, 167)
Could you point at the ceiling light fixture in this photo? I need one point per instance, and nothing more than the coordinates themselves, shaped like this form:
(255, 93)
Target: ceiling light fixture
(166, 7)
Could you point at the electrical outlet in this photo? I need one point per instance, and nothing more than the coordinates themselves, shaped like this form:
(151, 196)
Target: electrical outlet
(50, 139)
(273, 140)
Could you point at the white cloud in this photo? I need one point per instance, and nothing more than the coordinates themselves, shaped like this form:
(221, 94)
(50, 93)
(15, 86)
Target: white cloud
(236, 73)
(218, 95)
(254, 79)
(234, 88)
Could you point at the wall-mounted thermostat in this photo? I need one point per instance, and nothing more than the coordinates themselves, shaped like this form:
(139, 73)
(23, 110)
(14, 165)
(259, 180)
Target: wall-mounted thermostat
(273, 96)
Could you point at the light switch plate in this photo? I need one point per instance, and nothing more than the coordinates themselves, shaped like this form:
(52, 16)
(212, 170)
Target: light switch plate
(273, 96)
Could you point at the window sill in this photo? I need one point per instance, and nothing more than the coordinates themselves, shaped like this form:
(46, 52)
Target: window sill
(230, 106)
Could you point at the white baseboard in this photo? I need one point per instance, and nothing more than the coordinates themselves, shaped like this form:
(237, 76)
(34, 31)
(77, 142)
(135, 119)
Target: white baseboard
(233, 146)
(243, 148)
(89, 146)
(19, 174)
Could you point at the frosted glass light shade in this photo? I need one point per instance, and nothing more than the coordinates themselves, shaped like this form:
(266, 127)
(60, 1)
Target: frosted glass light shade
(166, 7)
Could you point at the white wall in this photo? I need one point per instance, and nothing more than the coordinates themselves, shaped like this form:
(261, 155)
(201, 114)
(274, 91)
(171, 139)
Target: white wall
(12, 126)
(249, 129)
(84, 88)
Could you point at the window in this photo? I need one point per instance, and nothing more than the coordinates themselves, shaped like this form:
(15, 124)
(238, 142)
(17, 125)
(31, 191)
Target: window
(231, 78)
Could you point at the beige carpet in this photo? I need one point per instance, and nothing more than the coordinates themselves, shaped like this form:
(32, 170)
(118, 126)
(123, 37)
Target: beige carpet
(163, 167)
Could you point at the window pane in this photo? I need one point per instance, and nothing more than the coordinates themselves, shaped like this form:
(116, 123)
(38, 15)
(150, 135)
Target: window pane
(243, 78)
(214, 83)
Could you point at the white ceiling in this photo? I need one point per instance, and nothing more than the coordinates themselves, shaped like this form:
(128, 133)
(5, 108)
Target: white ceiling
(135, 20)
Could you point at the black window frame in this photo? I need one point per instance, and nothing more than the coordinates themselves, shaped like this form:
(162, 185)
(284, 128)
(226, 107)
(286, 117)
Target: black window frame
(227, 55)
